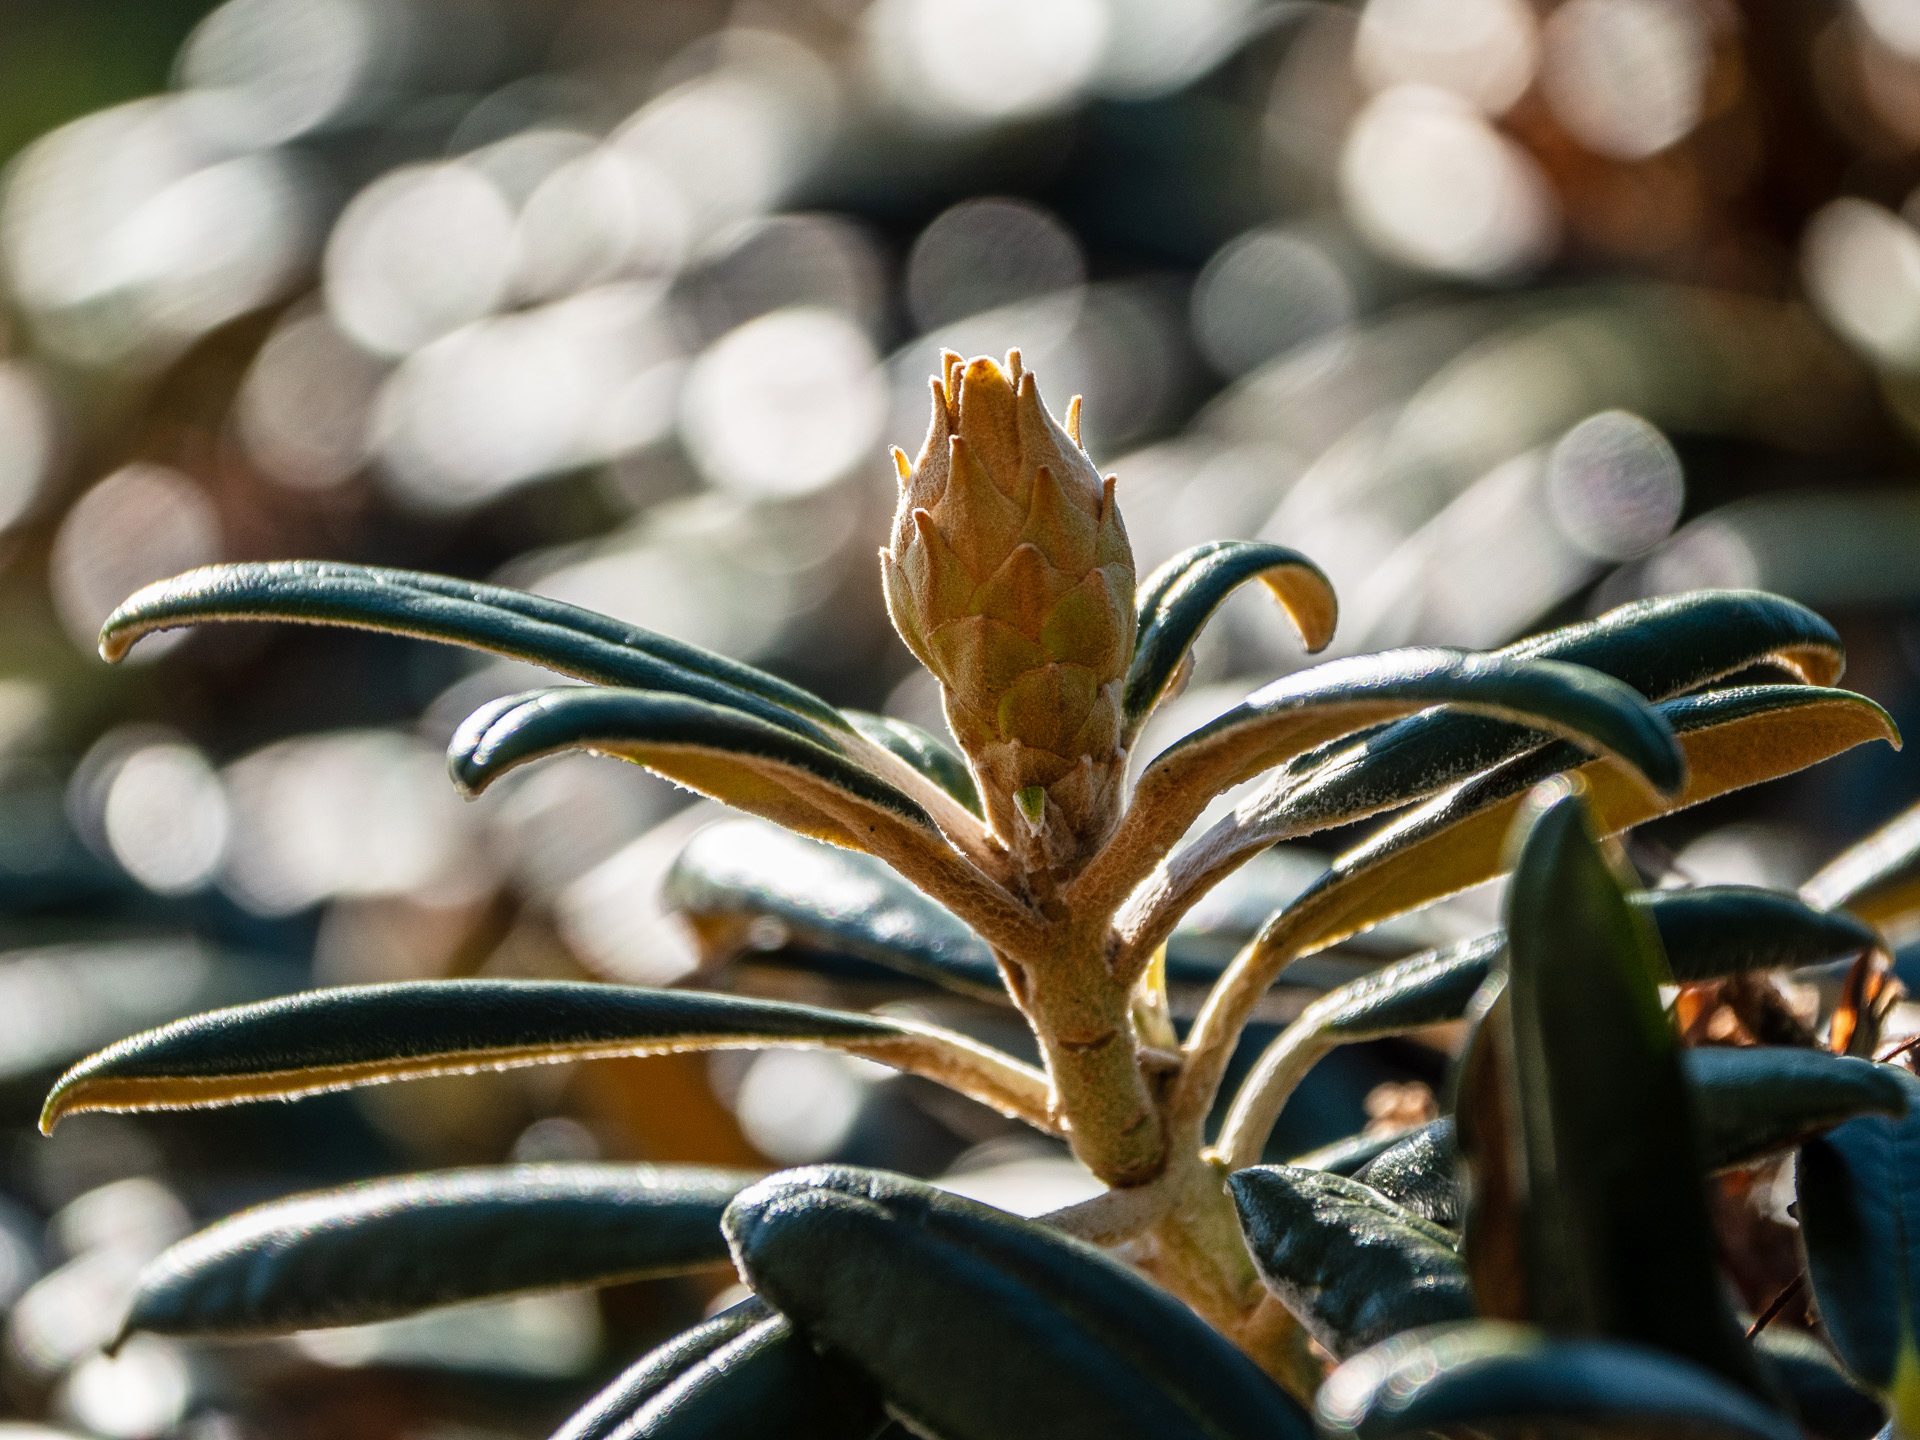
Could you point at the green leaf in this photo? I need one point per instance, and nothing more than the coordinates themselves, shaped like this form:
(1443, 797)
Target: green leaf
(923, 752)
(828, 900)
(1351, 1155)
(390, 1247)
(723, 1382)
(1509, 1381)
(1830, 1404)
(724, 753)
(602, 1416)
(562, 637)
(1310, 707)
(1661, 647)
(1353, 1266)
(1178, 599)
(366, 1034)
(981, 1326)
(1421, 1172)
(1705, 933)
(1878, 878)
(1758, 1101)
(1615, 1234)
(1859, 1206)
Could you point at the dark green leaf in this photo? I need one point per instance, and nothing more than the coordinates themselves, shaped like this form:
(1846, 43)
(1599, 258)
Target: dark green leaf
(1878, 878)
(1754, 1102)
(513, 623)
(728, 754)
(1421, 1172)
(1510, 1381)
(1859, 1202)
(981, 1326)
(1717, 930)
(1661, 647)
(390, 1247)
(923, 753)
(358, 1035)
(1352, 1266)
(764, 1382)
(1351, 1155)
(1829, 1403)
(829, 900)
(602, 1416)
(1178, 599)
(1617, 1240)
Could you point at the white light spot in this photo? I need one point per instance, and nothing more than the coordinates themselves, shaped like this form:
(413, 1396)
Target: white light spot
(986, 253)
(294, 64)
(140, 524)
(418, 253)
(1626, 77)
(166, 818)
(1482, 50)
(27, 440)
(796, 1106)
(784, 404)
(605, 214)
(1432, 185)
(139, 1392)
(306, 406)
(1263, 294)
(1614, 486)
(1862, 263)
(988, 59)
(1894, 23)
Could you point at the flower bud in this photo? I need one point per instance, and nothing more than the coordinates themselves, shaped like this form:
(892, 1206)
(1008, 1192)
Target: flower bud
(1011, 578)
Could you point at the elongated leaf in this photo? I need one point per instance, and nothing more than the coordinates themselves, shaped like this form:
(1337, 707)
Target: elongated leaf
(602, 1416)
(1506, 1381)
(366, 1034)
(1353, 1266)
(1662, 648)
(1755, 1102)
(766, 1382)
(1878, 878)
(829, 900)
(1705, 933)
(981, 1326)
(506, 622)
(750, 765)
(725, 753)
(923, 752)
(1830, 1403)
(1750, 1103)
(1859, 1205)
(1306, 709)
(1616, 1234)
(1421, 1172)
(1179, 598)
(389, 1247)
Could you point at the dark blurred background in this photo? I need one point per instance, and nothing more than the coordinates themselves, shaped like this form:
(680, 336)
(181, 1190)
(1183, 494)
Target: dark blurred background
(1505, 311)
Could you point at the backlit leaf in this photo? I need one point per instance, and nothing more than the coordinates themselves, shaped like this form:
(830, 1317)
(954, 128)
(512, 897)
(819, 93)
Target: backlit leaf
(366, 1034)
(1177, 600)
(602, 1416)
(1353, 1266)
(981, 1326)
(389, 1247)
(1878, 879)
(1510, 1381)
(923, 752)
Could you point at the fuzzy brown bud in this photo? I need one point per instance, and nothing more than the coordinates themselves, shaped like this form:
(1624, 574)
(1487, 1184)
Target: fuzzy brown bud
(1011, 578)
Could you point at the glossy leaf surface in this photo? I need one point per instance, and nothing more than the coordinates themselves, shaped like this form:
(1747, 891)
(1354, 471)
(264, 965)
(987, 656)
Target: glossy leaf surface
(1662, 647)
(356, 1035)
(1178, 599)
(828, 899)
(981, 1326)
(622, 1398)
(1421, 1172)
(1859, 1204)
(389, 1247)
(766, 1382)
(514, 623)
(1616, 1237)
(1353, 1266)
(1757, 1101)
(1507, 1381)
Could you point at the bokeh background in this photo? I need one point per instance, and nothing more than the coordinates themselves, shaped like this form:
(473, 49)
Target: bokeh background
(1505, 311)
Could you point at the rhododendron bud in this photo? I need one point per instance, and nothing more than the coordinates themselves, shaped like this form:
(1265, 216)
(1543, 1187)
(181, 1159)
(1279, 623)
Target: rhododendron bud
(1011, 578)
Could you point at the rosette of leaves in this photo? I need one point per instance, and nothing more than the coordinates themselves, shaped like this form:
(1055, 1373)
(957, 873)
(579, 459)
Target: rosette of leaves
(1023, 862)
